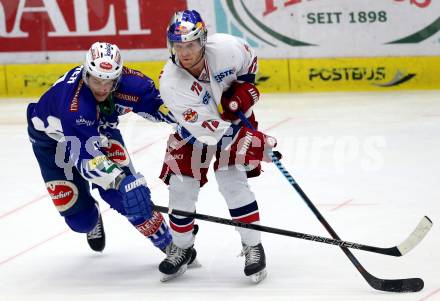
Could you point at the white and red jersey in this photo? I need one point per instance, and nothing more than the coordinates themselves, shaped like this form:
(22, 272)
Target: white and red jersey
(195, 102)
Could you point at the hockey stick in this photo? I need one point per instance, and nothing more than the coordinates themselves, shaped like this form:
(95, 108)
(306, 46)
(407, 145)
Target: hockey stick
(409, 243)
(389, 285)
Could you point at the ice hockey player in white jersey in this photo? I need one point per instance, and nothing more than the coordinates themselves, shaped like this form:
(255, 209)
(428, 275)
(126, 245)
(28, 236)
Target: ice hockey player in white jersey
(203, 84)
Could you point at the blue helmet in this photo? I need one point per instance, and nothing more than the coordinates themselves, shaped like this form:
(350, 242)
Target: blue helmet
(186, 26)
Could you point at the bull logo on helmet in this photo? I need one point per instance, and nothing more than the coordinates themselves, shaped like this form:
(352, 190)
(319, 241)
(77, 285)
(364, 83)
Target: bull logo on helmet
(181, 29)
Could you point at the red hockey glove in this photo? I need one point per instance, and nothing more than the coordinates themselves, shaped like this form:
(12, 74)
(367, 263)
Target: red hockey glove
(250, 146)
(240, 96)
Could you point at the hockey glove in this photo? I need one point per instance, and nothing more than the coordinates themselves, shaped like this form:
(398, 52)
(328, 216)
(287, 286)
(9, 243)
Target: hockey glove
(240, 96)
(136, 196)
(251, 146)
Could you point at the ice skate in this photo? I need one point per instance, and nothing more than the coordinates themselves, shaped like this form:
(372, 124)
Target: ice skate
(176, 262)
(96, 237)
(255, 262)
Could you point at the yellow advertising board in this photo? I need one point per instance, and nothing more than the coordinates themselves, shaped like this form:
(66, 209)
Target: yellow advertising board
(151, 69)
(274, 76)
(364, 74)
(34, 79)
(3, 90)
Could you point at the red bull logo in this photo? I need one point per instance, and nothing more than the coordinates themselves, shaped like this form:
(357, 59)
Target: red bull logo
(181, 29)
(190, 115)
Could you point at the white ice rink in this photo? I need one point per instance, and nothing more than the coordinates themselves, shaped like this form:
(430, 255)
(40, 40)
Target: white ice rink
(370, 162)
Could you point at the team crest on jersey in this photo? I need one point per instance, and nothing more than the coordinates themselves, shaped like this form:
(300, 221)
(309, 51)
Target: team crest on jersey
(190, 115)
(64, 194)
(223, 74)
(117, 153)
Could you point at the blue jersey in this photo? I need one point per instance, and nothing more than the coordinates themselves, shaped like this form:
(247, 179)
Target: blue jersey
(68, 114)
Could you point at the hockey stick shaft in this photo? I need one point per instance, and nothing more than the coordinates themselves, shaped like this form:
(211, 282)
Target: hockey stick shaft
(395, 285)
(394, 251)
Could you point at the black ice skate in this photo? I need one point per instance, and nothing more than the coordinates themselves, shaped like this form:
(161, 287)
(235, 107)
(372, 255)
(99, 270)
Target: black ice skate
(176, 262)
(96, 237)
(255, 262)
(193, 262)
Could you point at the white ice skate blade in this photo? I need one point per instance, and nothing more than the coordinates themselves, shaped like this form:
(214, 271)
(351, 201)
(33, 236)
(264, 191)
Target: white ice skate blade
(194, 264)
(258, 277)
(166, 277)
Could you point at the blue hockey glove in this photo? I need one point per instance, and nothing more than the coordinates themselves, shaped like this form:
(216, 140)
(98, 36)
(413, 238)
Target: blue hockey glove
(136, 196)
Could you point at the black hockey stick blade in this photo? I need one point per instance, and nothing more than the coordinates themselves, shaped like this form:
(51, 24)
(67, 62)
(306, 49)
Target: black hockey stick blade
(387, 285)
(409, 285)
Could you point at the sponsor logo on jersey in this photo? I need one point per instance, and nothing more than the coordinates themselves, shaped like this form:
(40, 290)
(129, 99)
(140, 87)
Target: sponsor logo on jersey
(64, 194)
(122, 109)
(105, 66)
(74, 102)
(127, 97)
(117, 153)
(206, 98)
(95, 162)
(223, 74)
(82, 121)
(190, 115)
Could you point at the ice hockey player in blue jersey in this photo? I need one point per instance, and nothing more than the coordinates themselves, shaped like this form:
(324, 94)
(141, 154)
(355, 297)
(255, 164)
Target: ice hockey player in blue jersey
(74, 135)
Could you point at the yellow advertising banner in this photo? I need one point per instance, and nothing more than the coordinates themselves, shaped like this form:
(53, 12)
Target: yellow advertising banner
(274, 76)
(364, 74)
(34, 79)
(3, 90)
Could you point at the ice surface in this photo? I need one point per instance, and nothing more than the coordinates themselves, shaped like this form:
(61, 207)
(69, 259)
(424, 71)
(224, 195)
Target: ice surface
(370, 162)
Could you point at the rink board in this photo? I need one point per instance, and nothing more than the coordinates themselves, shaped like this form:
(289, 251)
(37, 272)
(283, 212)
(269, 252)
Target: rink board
(275, 75)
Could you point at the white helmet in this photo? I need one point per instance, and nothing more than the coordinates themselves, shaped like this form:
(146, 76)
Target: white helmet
(103, 60)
